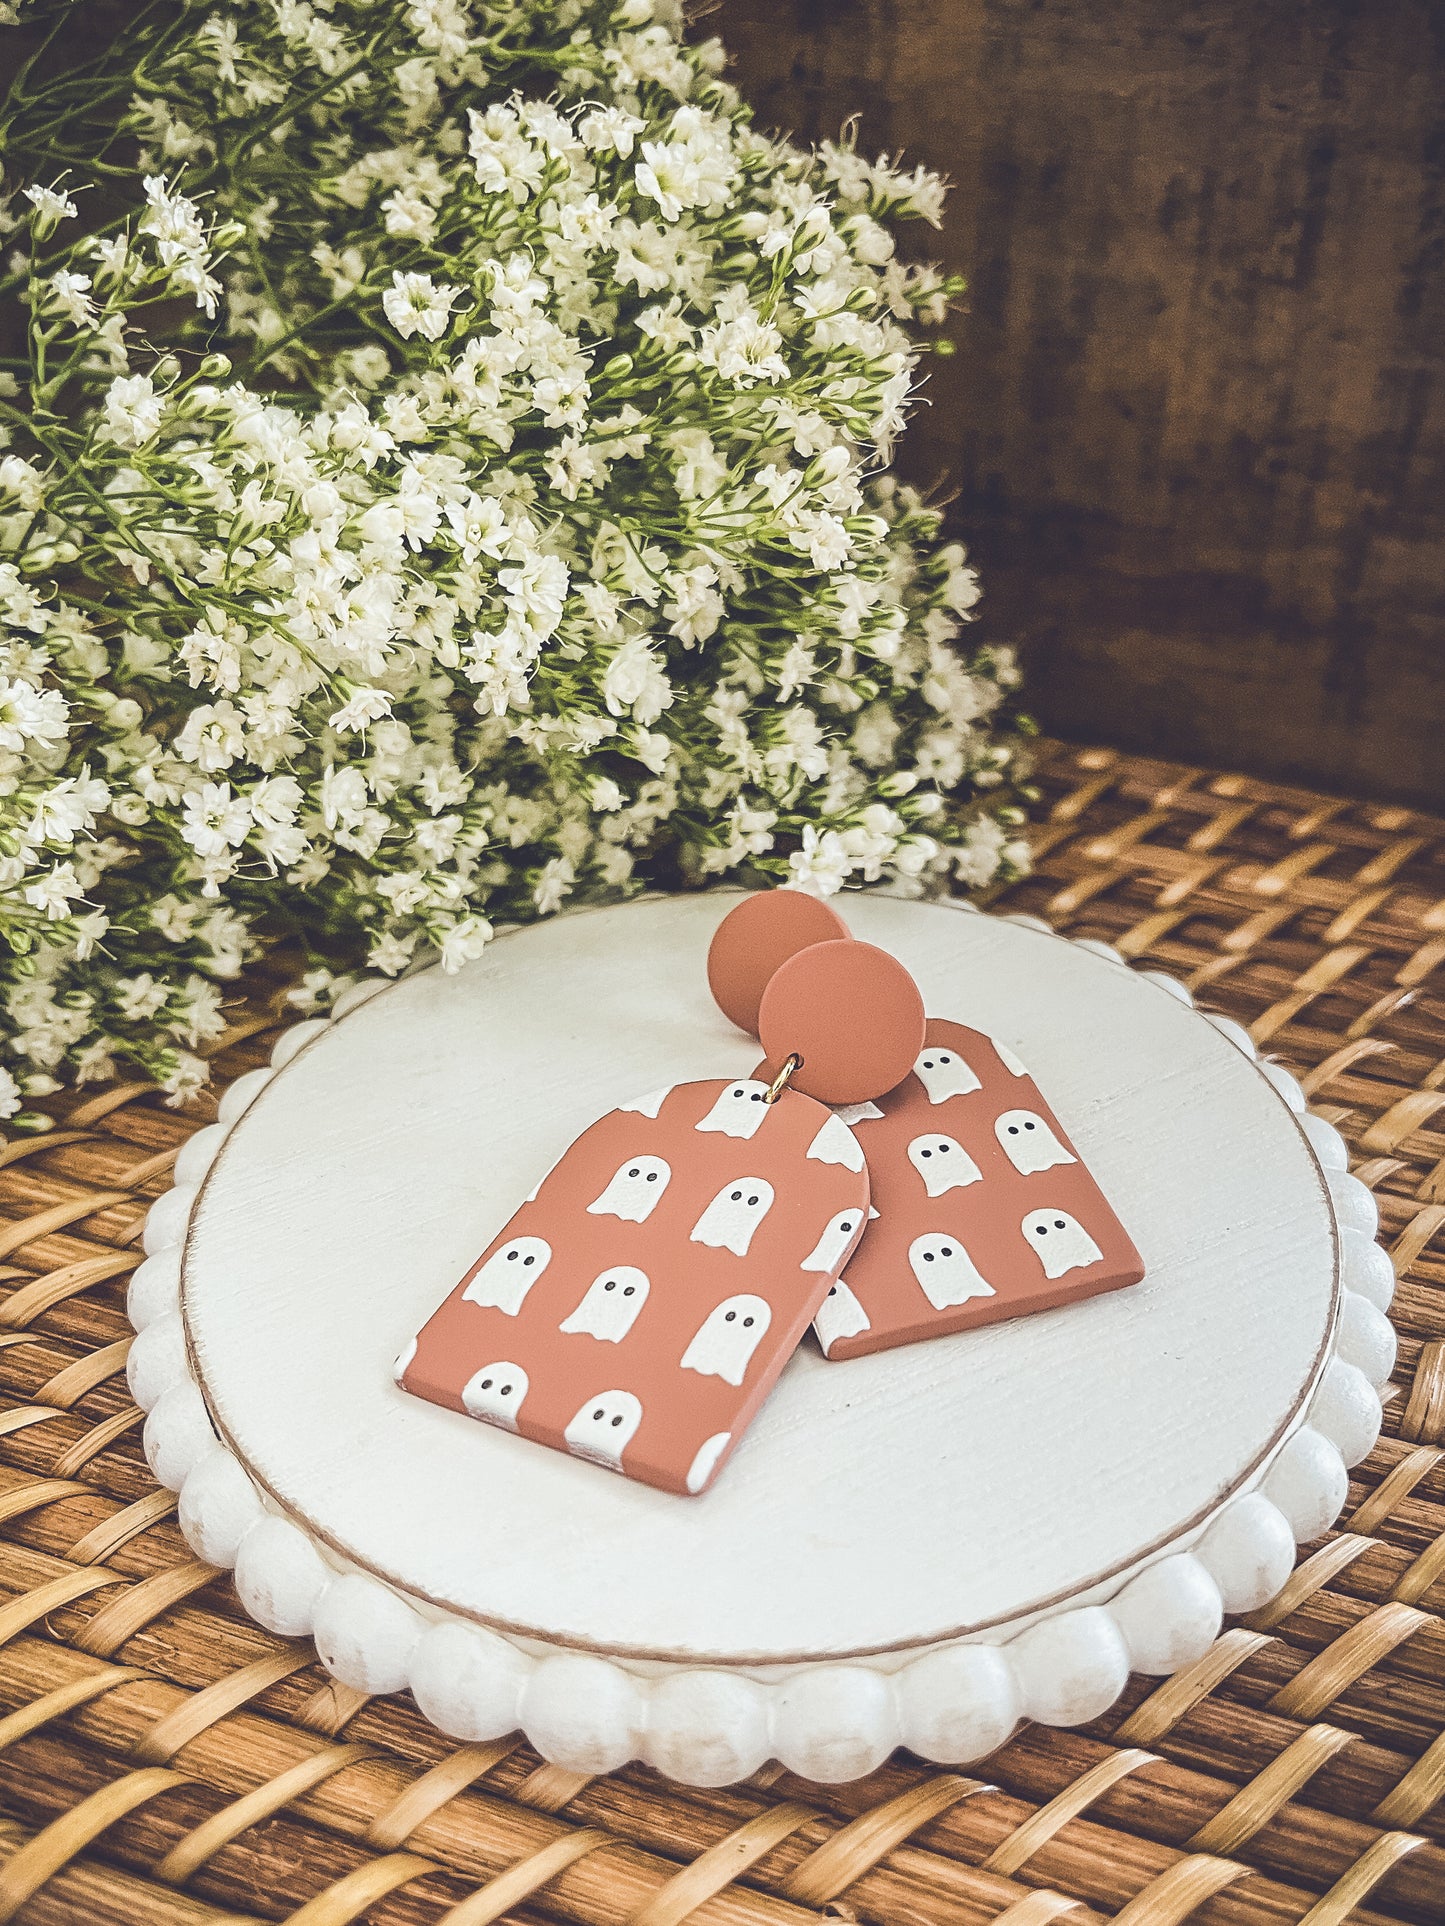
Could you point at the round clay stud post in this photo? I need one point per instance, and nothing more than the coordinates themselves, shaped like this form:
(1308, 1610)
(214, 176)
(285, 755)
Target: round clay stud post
(851, 1012)
(755, 939)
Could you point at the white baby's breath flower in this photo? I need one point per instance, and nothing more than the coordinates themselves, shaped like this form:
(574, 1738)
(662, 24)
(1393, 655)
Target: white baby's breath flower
(214, 819)
(361, 708)
(635, 682)
(133, 411)
(415, 304)
(30, 715)
(821, 866)
(52, 206)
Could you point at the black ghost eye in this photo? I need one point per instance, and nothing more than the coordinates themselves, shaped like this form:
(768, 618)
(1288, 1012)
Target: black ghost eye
(617, 1421)
(928, 1257)
(627, 1289)
(1013, 1130)
(945, 1058)
(928, 1153)
(506, 1390)
(747, 1324)
(529, 1260)
(1028, 1126)
(757, 1096)
(752, 1200)
(610, 1285)
(486, 1384)
(1043, 1229)
(512, 1256)
(1058, 1223)
(943, 1149)
(947, 1250)
(633, 1171)
(730, 1316)
(735, 1195)
(598, 1413)
(652, 1176)
(928, 1063)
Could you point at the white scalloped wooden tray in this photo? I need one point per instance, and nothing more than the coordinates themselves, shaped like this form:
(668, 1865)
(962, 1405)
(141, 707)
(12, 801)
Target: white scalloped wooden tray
(917, 1548)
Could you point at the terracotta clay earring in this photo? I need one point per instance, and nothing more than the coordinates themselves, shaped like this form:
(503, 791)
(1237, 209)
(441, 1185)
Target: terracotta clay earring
(982, 1208)
(638, 1307)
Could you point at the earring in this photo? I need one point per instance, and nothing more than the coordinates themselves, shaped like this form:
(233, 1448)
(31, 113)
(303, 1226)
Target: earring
(981, 1207)
(637, 1308)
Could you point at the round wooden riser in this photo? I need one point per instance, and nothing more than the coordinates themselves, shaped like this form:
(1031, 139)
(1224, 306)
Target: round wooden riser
(916, 1547)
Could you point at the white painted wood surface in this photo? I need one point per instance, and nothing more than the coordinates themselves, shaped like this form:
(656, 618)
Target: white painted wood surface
(877, 1506)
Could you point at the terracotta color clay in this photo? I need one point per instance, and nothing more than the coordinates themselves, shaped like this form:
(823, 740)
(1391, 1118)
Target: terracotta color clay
(637, 1309)
(854, 1015)
(984, 1208)
(755, 939)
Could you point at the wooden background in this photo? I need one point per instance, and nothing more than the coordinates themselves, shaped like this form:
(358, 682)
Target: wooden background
(1197, 419)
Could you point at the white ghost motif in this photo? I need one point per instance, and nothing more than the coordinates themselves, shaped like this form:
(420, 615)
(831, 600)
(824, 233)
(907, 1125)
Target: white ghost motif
(946, 1273)
(508, 1274)
(943, 1073)
(633, 1190)
(840, 1315)
(708, 1454)
(943, 1164)
(399, 1369)
(649, 1105)
(609, 1308)
(836, 1144)
(604, 1428)
(1007, 1058)
(827, 1254)
(496, 1393)
(734, 1214)
(856, 1113)
(1029, 1143)
(724, 1343)
(740, 1111)
(1060, 1242)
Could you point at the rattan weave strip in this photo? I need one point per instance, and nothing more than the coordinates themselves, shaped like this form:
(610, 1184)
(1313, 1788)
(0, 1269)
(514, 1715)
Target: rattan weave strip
(165, 1762)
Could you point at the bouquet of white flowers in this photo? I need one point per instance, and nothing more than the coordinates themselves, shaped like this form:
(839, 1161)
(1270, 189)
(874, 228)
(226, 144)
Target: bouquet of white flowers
(441, 478)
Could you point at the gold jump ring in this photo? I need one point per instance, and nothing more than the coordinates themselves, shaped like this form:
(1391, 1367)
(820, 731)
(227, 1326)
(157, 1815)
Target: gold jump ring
(792, 1064)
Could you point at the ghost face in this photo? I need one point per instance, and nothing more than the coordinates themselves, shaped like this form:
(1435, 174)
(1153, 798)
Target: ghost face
(832, 1247)
(734, 1214)
(496, 1393)
(705, 1463)
(946, 1273)
(1060, 1242)
(508, 1274)
(604, 1427)
(740, 1111)
(1028, 1142)
(943, 1073)
(943, 1164)
(724, 1344)
(400, 1367)
(609, 1310)
(839, 1316)
(836, 1144)
(634, 1190)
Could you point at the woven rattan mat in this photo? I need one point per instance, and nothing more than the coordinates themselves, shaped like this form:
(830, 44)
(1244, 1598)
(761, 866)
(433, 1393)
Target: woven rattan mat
(163, 1760)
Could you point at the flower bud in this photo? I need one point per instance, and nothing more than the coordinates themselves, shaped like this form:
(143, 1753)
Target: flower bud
(214, 367)
(229, 234)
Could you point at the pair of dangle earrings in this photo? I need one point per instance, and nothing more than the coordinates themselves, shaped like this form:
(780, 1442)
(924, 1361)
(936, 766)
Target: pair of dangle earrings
(882, 1176)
